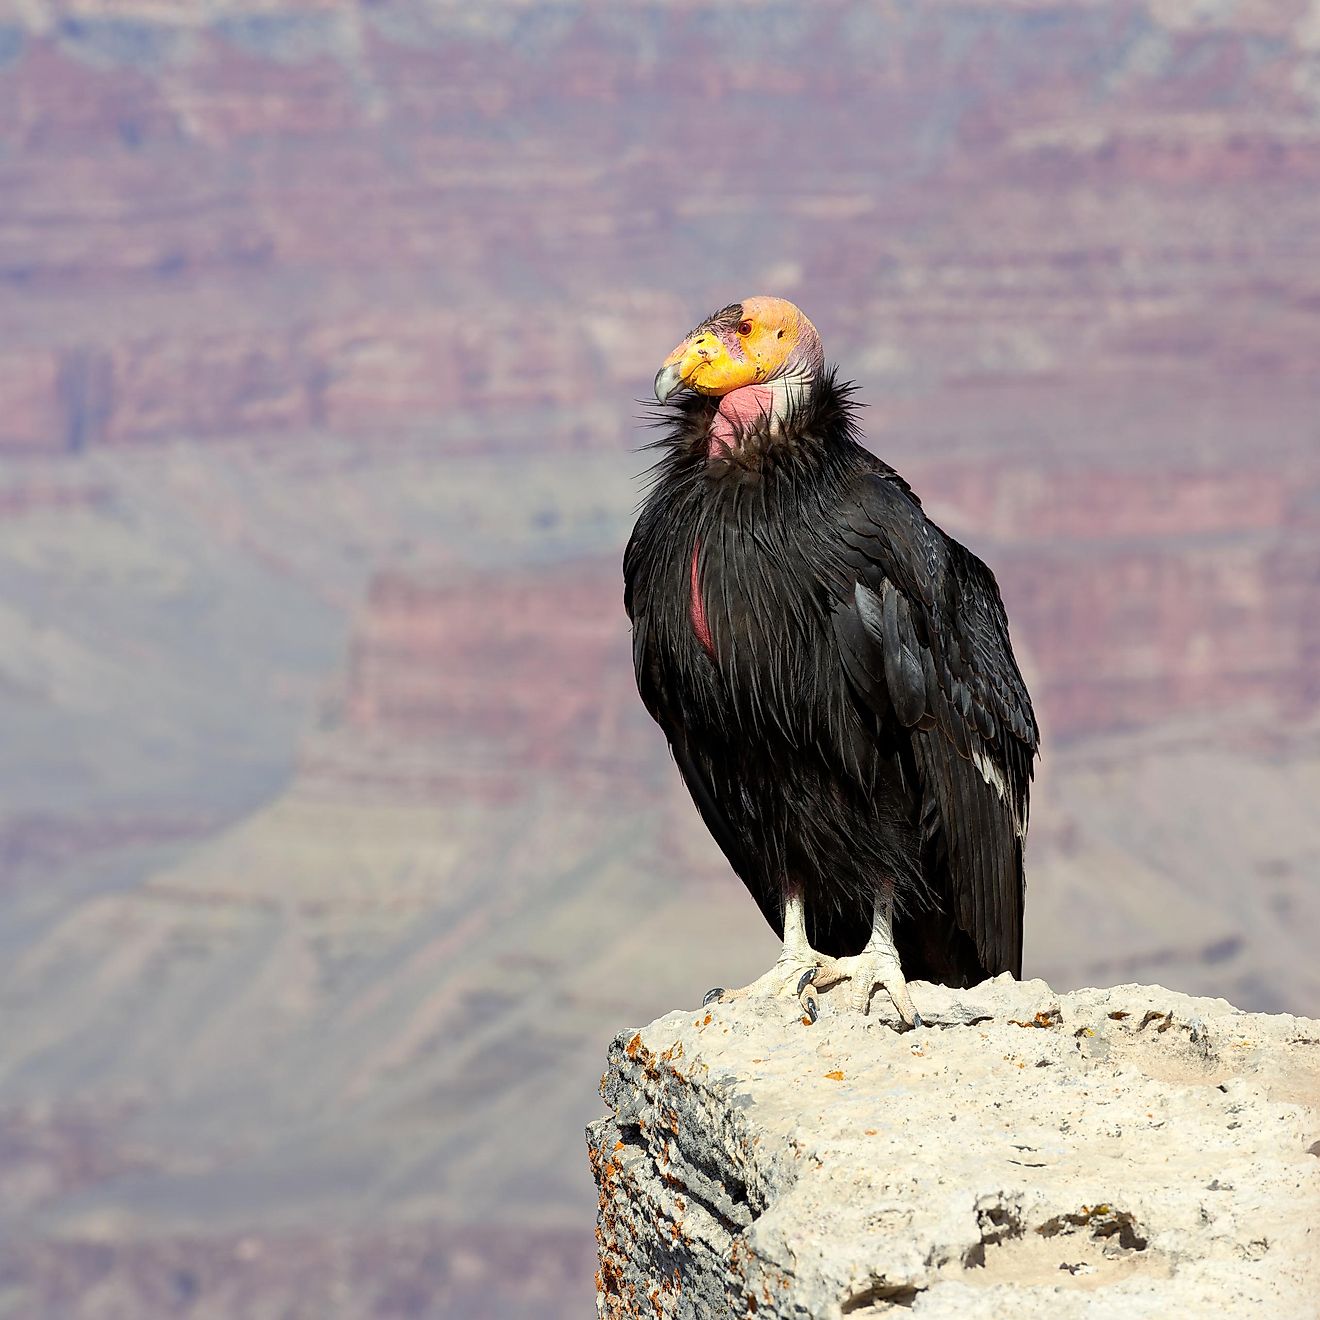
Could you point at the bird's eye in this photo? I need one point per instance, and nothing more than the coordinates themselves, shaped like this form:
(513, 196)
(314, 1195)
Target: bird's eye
(780, 335)
(744, 327)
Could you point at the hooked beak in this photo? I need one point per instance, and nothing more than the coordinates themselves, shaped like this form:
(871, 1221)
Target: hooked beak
(668, 381)
(703, 362)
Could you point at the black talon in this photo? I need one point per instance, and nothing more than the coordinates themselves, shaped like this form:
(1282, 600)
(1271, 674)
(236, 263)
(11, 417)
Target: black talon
(807, 978)
(916, 1020)
(812, 1012)
(712, 996)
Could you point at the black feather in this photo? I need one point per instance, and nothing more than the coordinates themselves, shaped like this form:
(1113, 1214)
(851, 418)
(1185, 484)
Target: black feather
(860, 718)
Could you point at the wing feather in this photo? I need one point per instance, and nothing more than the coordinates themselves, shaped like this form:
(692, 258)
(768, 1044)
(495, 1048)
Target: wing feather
(924, 638)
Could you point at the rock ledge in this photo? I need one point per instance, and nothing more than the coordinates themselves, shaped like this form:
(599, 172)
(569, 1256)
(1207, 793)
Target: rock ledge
(1130, 1152)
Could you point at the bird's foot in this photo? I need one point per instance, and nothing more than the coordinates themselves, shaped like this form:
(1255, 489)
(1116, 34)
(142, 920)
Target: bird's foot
(868, 971)
(792, 977)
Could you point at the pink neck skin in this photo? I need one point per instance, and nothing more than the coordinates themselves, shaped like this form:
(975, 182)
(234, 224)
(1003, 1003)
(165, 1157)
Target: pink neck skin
(739, 410)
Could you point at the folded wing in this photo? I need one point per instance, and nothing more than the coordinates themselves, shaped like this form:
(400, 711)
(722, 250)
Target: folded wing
(924, 640)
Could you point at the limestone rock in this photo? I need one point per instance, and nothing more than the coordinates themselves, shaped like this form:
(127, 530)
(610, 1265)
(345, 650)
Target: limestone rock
(1125, 1152)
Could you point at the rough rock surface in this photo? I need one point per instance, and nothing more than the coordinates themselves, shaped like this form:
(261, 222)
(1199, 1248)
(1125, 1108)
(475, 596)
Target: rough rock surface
(1130, 1151)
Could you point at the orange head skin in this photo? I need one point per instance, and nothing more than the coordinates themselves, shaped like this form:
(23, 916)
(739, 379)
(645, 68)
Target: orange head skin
(748, 343)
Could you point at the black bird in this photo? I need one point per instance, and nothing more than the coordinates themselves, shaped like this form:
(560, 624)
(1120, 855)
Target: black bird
(832, 671)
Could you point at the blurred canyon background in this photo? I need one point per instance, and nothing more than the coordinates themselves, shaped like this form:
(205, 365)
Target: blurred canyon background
(335, 844)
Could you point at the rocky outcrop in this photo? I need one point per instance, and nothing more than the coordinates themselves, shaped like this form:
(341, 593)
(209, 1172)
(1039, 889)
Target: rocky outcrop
(1129, 1152)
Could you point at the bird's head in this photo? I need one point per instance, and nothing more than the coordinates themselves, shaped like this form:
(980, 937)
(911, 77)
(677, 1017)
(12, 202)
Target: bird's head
(759, 341)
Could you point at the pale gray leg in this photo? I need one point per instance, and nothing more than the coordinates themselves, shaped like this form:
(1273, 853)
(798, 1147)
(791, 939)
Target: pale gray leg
(877, 964)
(794, 970)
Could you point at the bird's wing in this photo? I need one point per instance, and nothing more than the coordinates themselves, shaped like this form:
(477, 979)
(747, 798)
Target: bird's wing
(924, 641)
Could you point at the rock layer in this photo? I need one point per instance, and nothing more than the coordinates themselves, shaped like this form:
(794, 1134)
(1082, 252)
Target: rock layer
(1129, 1151)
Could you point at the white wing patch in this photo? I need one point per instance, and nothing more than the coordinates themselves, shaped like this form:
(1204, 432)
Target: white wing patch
(990, 772)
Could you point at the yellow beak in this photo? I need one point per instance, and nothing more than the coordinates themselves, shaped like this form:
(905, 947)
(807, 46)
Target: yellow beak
(703, 363)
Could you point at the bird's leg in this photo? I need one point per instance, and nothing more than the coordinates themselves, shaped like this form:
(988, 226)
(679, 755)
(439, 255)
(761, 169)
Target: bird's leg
(794, 971)
(877, 964)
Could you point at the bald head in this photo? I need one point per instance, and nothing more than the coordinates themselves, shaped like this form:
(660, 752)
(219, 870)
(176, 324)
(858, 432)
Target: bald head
(753, 342)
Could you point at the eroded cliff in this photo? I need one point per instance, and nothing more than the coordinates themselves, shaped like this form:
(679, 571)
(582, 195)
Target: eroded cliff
(1129, 1151)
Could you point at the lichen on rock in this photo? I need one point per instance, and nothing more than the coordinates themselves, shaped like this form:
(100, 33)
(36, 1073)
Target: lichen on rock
(1129, 1151)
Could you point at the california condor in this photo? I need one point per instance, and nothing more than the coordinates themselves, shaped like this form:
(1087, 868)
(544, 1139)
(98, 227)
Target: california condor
(833, 673)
